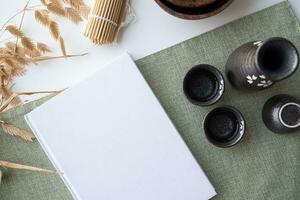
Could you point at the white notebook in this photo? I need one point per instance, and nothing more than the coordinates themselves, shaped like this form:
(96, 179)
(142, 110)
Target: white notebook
(112, 140)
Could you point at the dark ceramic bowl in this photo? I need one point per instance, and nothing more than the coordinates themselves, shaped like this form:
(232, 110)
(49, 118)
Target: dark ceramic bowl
(191, 3)
(203, 85)
(191, 11)
(224, 126)
(281, 114)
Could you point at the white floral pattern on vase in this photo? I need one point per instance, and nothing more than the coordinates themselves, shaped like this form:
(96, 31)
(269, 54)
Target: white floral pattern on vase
(258, 43)
(259, 81)
(242, 127)
(221, 87)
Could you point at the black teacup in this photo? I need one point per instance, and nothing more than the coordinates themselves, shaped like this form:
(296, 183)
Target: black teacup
(203, 85)
(281, 114)
(224, 126)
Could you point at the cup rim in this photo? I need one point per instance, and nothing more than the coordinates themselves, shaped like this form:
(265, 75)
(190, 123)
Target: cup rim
(241, 127)
(262, 44)
(220, 89)
(280, 115)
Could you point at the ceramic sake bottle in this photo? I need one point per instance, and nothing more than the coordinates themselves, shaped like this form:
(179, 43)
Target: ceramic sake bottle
(258, 65)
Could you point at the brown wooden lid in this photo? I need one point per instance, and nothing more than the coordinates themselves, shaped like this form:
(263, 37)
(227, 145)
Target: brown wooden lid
(191, 3)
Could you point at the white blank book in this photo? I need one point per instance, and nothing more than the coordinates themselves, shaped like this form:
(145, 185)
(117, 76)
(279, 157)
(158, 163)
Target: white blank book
(113, 141)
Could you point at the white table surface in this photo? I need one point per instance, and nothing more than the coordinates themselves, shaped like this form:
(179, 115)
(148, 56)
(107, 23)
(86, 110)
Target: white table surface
(152, 31)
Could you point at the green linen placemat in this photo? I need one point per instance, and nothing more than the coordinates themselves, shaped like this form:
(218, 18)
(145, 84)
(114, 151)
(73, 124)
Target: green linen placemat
(262, 166)
(25, 185)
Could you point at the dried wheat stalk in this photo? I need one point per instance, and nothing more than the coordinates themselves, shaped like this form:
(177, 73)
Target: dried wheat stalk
(16, 55)
(10, 165)
(75, 13)
(21, 50)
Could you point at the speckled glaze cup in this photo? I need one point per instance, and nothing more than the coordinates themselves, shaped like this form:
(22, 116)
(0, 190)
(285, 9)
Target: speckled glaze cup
(281, 114)
(259, 64)
(203, 85)
(224, 126)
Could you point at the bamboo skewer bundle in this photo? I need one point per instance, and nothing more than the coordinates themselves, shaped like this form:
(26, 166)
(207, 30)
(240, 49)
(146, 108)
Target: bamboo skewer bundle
(105, 21)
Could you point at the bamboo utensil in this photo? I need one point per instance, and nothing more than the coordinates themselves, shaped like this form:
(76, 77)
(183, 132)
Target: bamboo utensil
(105, 21)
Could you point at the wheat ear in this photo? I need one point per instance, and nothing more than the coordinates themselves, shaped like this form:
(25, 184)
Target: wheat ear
(14, 30)
(75, 3)
(42, 16)
(28, 43)
(73, 15)
(15, 131)
(54, 30)
(56, 9)
(43, 48)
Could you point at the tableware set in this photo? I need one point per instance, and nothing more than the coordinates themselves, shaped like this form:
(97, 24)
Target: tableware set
(253, 66)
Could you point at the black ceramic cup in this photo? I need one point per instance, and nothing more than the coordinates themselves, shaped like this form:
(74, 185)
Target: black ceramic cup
(281, 114)
(224, 126)
(203, 85)
(258, 65)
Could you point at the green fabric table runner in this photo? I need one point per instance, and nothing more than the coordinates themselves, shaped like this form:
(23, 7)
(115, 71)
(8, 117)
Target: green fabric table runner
(25, 185)
(262, 166)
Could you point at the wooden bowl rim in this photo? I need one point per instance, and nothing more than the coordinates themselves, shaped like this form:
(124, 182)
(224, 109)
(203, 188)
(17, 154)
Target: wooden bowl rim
(225, 4)
(199, 5)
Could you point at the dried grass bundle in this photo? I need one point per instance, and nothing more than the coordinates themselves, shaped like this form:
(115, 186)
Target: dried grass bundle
(20, 51)
(16, 55)
(75, 13)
